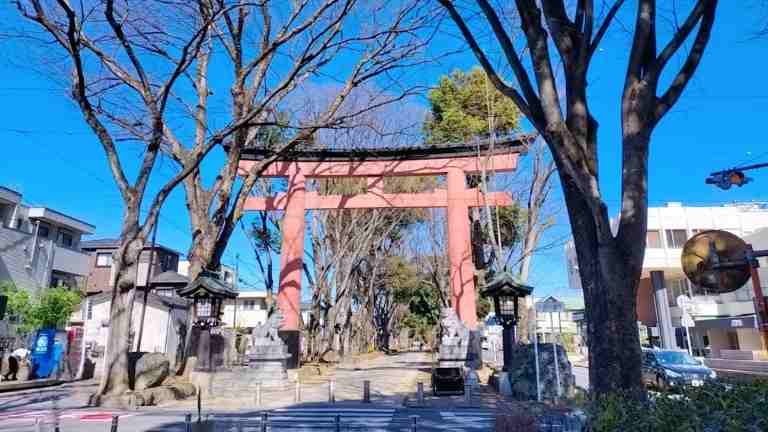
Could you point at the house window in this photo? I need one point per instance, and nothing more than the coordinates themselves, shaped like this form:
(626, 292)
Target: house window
(676, 288)
(43, 231)
(676, 238)
(653, 239)
(104, 259)
(249, 304)
(66, 238)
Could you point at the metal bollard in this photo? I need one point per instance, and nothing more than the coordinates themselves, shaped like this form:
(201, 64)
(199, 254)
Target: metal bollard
(258, 394)
(264, 421)
(414, 423)
(115, 420)
(297, 394)
(337, 423)
(331, 392)
(199, 405)
(366, 391)
(188, 422)
(420, 393)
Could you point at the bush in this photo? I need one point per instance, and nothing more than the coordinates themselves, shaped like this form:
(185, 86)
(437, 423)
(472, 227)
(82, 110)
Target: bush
(51, 309)
(717, 407)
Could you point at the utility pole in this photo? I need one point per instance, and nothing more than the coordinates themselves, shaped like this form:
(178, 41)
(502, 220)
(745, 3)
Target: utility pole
(237, 289)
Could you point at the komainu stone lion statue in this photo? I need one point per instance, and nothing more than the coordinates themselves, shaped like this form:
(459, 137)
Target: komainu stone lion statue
(454, 332)
(266, 334)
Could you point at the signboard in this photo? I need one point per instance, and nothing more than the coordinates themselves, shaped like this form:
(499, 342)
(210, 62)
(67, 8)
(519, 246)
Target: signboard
(737, 323)
(687, 320)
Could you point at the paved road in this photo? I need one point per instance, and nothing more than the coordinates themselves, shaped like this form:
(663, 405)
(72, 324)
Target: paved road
(285, 419)
(582, 377)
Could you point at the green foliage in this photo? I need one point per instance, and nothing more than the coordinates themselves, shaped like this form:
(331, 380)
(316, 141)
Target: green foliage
(483, 306)
(712, 407)
(412, 289)
(51, 309)
(461, 105)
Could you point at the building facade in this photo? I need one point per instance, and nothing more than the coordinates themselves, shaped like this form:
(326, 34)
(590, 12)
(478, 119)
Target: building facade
(247, 311)
(725, 324)
(40, 247)
(101, 271)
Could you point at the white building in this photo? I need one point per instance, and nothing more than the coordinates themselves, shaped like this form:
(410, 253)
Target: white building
(248, 310)
(725, 324)
(39, 246)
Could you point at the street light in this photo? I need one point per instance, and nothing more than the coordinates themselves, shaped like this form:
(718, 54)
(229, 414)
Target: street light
(506, 293)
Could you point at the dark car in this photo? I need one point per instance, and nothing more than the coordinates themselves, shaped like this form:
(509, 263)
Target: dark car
(666, 369)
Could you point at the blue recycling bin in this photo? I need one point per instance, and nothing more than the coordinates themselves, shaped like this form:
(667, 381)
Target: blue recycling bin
(44, 354)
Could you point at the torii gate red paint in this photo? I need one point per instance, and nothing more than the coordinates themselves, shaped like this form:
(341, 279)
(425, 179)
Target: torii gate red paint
(456, 198)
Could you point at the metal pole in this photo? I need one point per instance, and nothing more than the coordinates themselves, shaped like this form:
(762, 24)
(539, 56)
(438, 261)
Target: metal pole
(258, 394)
(38, 428)
(467, 392)
(297, 393)
(115, 420)
(264, 421)
(366, 391)
(337, 422)
(536, 358)
(414, 423)
(688, 337)
(554, 352)
(420, 393)
(188, 422)
(152, 253)
(760, 307)
(331, 394)
(199, 404)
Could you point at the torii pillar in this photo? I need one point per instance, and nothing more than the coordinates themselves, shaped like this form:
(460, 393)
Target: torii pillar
(292, 250)
(462, 270)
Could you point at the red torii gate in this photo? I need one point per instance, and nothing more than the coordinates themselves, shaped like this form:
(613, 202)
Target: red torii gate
(454, 163)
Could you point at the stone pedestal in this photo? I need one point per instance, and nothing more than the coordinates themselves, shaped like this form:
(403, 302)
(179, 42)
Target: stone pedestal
(268, 364)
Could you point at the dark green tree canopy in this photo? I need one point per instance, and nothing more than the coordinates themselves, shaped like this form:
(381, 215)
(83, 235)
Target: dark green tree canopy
(466, 105)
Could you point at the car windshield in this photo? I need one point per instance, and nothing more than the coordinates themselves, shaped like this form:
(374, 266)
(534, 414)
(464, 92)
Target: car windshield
(676, 358)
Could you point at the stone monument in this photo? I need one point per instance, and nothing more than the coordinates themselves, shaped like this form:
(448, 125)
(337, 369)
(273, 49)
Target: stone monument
(454, 342)
(268, 354)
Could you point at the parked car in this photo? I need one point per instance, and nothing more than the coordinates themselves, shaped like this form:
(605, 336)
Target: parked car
(667, 369)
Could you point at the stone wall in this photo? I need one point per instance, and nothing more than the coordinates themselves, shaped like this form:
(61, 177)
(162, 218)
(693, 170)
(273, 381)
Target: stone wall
(522, 374)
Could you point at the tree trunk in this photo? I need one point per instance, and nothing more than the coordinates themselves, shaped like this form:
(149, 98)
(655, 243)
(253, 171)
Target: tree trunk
(115, 378)
(610, 297)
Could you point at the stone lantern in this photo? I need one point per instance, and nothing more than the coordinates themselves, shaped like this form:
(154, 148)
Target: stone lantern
(506, 292)
(207, 293)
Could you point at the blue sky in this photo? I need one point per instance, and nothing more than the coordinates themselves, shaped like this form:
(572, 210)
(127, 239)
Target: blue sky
(52, 158)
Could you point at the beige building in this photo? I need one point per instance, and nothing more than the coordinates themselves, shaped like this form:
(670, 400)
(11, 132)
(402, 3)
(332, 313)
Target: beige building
(248, 310)
(165, 324)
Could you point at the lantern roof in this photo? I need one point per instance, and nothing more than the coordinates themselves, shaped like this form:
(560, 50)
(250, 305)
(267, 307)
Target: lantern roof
(169, 279)
(208, 285)
(504, 284)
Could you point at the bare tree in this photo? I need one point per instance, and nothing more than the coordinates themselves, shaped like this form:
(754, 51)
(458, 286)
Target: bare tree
(125, 70)
(303, 64)
(610, 264)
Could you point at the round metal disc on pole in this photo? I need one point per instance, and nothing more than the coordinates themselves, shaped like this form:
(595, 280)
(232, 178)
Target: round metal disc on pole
(717, 261)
